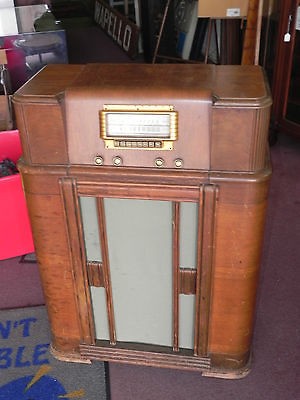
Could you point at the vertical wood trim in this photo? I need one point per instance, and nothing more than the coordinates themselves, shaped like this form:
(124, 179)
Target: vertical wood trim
(251, 45)
(176, 274)
(205, 251)
(258, 32)
(259, 142)
(78, 258)
(21, 118)
(208, 239)
(198, 277)
(106, 269)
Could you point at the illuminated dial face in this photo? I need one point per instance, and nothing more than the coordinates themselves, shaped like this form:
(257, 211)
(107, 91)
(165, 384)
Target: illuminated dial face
(143, 127)
(138, 125)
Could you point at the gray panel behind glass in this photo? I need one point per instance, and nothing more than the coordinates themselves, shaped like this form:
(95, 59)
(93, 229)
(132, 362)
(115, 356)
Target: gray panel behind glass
(140, 256)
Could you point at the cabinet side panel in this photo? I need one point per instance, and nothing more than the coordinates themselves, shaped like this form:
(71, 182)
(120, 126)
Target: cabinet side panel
(20, 122)
(42, 133)
(239, 238)
(54, 258)
(239, 139)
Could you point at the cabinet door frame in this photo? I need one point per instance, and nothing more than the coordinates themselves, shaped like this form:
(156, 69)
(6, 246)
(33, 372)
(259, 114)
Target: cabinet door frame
(206, 197)
(283, 67)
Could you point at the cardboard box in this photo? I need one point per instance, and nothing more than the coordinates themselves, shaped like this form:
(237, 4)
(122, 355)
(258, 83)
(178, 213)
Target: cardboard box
(223, 9)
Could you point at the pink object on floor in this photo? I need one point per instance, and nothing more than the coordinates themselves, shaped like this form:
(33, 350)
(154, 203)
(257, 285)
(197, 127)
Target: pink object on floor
(15, 230)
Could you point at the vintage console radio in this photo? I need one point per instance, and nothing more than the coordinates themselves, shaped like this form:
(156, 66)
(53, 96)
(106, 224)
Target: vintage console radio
(147, 189)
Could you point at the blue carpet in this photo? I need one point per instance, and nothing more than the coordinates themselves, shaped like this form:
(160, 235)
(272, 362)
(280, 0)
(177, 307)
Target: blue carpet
(28, 371)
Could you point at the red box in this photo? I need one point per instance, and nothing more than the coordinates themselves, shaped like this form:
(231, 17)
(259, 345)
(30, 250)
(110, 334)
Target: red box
(15, 232)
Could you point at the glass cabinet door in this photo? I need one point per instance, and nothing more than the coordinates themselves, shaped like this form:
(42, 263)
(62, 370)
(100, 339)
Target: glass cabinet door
(293, 100)
(286, 77)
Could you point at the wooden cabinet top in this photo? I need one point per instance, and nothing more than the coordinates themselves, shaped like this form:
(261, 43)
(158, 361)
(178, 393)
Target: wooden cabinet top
(229, 85)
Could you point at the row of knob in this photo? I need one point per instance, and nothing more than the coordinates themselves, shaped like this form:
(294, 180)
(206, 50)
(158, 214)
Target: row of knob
(159, 162)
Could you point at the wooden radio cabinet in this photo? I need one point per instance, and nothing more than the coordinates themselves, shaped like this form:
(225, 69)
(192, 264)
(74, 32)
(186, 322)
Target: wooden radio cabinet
(147, 189)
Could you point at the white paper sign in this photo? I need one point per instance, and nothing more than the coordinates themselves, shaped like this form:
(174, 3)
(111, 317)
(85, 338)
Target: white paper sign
(233, 12)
